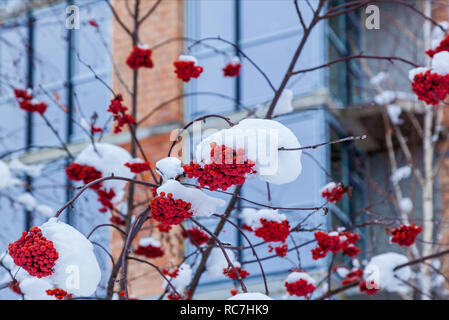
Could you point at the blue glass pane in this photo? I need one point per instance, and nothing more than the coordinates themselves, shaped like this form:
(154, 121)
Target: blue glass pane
(55, 114)
(50, 46)
(211, 18)
(92, 97)
(274, 58)
(261, 18)
(93, 44)
(12, 130)
(13, 57)
(211, 80)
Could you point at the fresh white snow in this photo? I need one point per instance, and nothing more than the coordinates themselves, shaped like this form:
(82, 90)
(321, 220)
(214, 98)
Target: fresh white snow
(284, 104)
(379, 270)
(251, 217)
(406, 205)
(394, 112)
(217, 262)
(169, 168)
(296, 275)
(110, 160)
(401, 173)
(76, 270)
(440, 63)
(261, 139)
(202, 204)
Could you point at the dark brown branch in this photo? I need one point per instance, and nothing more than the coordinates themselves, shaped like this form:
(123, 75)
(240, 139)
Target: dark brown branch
(422, 259)
(298, 51)
(252, 249)
(358, 56)
(325, 143)
(150, 11)
(117, 17)
(87, 186)
(241, 53)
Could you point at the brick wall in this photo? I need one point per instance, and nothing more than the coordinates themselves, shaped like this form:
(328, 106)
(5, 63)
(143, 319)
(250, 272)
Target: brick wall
(156, 85)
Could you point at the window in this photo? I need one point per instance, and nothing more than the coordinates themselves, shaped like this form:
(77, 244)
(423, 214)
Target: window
(38, 51)
(344, 40)
(346, 166)
(268, 31)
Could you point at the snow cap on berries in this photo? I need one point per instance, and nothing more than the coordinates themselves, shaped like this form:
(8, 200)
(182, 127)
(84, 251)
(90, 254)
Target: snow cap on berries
(379, 271)
(217, 262)
(259, 138)
(169, 168)
(202, 205)
(251, 217)
(109, 160)
(5, 175)
(440, 63)
(76, 269)
(182, 280)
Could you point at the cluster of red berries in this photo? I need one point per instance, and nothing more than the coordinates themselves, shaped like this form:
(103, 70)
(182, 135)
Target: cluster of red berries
(163, 228)
(234, 292)
(105, 198)
(333, 195)
(405, 235)
(25, 100)
(139, 57)
(117, 220)
(431, 87)
(369, 291)
(352, 276)
(93, 23)
(343, 241)
(300, 288)
(227, 168)
(34, 253)
(149, 251)
(232, 69)
(280, 251)
(94, 130)
(138, 167)
(87, 174)
(58, 293)
(169, 211)
(173, 274)
(230, 273)
(186, 70)
(118, 110)
(173, 296)
(273, 231)
(122, 293)
(443, 46)
(196, 236)
(14, 285)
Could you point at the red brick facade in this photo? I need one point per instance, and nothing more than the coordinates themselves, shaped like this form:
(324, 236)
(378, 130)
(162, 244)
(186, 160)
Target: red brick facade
(156, 85)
